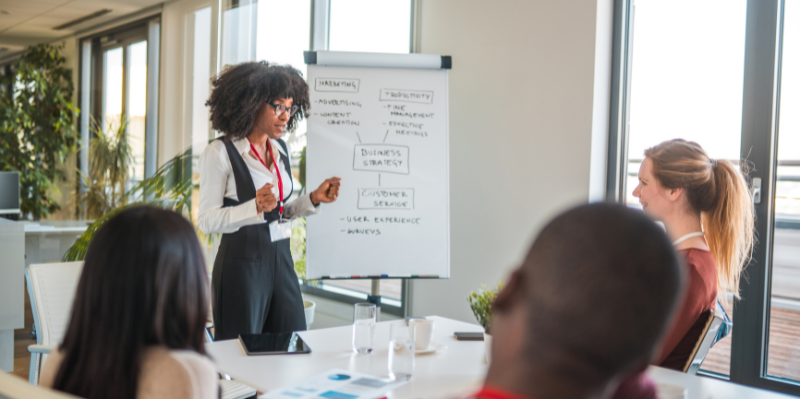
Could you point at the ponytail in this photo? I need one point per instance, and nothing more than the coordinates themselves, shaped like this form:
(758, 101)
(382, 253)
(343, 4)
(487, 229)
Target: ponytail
(717, 189)
(729, 226)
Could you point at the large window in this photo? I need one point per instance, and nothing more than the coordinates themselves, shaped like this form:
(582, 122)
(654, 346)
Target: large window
(723, 73)
(114, 90)
(370, 26)
(136, 104)
(686, 82)
(784, 318)
(280, 31)
(687, 77)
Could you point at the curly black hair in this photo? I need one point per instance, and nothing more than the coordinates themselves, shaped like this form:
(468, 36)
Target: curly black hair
(240, 90)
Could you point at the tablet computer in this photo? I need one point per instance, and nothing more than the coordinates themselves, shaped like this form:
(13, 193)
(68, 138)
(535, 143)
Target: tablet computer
(273, 343)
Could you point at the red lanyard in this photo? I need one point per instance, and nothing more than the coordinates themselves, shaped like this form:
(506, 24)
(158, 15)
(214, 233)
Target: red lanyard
(277, 171)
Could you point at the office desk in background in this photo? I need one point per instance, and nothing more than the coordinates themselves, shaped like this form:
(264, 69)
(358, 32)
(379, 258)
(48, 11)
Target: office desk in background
(453, 372)
(23, 243)
(48, 241)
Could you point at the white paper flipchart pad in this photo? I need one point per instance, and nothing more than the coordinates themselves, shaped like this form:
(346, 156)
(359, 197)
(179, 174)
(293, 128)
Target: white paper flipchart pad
(384, 131)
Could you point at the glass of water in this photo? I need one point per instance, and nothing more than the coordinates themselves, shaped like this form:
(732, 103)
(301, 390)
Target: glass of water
(364, 318)
(401, 352)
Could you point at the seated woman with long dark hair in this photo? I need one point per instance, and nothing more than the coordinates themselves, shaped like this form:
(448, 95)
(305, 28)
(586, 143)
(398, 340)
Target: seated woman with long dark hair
(136, 328)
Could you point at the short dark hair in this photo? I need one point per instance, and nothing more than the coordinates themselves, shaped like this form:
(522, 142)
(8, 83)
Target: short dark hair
(240, 91)
(602, 282)
(144, 283)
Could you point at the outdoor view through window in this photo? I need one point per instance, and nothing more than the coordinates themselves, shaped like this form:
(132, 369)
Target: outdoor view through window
(687, 82)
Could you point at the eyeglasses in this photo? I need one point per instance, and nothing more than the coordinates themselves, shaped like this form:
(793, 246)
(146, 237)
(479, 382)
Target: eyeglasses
(280, 109)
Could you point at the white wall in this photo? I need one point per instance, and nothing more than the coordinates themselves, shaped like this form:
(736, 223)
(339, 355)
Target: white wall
(522, 117)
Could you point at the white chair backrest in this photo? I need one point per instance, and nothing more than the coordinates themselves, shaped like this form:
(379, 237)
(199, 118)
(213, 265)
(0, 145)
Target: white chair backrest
(13, 387)
(52, 290)
(706, 340)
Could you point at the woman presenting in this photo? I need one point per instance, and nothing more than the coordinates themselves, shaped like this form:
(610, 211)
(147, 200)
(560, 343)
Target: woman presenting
(245, 182)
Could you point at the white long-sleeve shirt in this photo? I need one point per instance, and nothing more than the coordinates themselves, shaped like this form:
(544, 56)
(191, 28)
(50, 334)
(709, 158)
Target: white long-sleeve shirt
(217, 182)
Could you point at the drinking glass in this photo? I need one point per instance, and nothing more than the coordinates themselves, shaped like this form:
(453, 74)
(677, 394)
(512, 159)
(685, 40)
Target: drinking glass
(364, 318)
(401, 352)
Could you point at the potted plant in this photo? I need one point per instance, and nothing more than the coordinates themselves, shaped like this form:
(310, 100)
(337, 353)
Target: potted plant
(481, 305)
(110, 158)
(170, 187)
(37, 133)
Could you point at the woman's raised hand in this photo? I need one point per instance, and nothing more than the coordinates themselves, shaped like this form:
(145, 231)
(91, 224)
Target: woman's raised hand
(327, 192)
(265, 199)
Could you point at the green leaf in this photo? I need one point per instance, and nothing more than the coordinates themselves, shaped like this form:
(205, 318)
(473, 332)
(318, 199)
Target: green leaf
(481, 305)
(170, 187)
(36, 125)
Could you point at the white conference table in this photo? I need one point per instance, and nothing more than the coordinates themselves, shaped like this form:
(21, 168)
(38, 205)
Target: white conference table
(456, 371)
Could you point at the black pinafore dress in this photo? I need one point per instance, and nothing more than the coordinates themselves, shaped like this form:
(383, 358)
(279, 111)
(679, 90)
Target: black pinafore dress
(255, 288)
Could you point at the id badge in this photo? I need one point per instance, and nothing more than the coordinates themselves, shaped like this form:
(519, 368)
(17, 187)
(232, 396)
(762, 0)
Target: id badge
(280, 229)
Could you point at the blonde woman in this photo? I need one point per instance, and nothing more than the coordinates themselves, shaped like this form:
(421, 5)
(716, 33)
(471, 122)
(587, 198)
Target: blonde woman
(707, 211)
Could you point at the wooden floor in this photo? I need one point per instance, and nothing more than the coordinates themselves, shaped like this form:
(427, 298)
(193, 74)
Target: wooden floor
(784, 347)
(22, 340)
(784, 344)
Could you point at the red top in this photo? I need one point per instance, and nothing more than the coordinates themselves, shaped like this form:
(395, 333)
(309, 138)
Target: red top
(488, 392)
(700, 296)
(639, 386)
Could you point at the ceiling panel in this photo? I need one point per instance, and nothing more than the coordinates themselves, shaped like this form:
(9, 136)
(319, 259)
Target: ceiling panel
(30, 22)
(21, 11)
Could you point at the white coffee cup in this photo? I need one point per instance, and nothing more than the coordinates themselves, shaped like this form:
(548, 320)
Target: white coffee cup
(424, 332)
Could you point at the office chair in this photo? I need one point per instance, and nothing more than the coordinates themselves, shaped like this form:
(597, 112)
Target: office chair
(707, 338)
(51, 288)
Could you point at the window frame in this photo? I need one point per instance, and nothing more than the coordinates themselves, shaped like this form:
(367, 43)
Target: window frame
(764, 41)
(760, 111)
(90, 83)
(341, 295)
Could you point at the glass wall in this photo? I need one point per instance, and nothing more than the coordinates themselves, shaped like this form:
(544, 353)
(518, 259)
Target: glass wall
(784, 317)
(136, 103)
(684, 71)
(112, 88)
(122, 91)
(370, 26)
(686, 82)
(239, 31)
